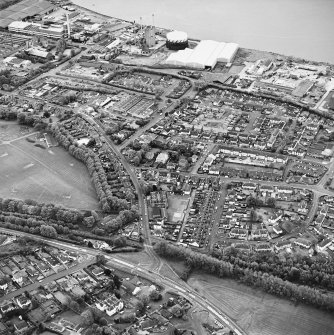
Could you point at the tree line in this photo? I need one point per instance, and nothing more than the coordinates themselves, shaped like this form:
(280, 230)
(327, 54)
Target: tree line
(47, 220)
(54, 221)
(257, 278)
(109, 202)
(316, 271)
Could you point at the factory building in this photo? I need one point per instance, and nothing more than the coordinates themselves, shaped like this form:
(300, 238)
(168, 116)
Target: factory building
(205, 56)
(28, 28)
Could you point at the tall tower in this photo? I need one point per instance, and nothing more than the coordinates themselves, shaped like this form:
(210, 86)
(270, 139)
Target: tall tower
(68, 26)
(150, 36)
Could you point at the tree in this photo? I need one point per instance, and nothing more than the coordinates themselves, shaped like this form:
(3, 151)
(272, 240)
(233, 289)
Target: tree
(74, 306)
(101, 259)
(271, 202)
(120, 241)
(155, 296)
(136, 161)
(87, 317)
(117, 281)
(141, 305)
(46, 114)
(48, 231)
(103, 322)
(253, 216)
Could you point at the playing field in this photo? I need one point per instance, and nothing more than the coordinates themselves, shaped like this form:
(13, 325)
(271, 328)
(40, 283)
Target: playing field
(176, 207)
(259, 313)
(45, 175)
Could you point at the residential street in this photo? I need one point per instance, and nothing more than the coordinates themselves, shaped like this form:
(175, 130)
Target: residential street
(173, 282)
(49, 279)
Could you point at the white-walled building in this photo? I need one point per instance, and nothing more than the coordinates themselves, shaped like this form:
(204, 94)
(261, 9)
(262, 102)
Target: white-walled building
(29, 28)
(206, 55)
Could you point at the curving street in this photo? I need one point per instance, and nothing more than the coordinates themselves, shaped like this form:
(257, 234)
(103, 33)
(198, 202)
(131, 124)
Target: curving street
(172, 283)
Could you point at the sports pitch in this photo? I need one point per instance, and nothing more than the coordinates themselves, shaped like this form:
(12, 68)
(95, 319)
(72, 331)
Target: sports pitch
(176, 207)
(48, 175)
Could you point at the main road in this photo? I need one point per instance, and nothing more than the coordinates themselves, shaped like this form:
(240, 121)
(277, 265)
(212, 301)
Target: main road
(175, 283)
(141, 199)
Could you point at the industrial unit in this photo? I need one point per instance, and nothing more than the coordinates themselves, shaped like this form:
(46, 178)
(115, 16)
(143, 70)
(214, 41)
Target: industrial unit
(28, 28)
(205, 56)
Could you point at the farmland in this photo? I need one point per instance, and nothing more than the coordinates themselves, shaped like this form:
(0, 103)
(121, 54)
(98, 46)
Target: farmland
(260, 313)
(45, 175)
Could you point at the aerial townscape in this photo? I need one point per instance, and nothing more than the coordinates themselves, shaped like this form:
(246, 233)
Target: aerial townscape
(153, 183)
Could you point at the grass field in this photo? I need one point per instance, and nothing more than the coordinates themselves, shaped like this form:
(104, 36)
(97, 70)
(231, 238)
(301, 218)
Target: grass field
(259, 313)
(45, 175)
(176, 265)
(140, 258)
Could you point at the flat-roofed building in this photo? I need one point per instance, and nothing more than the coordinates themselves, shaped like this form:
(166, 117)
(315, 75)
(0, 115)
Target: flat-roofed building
(28, 28)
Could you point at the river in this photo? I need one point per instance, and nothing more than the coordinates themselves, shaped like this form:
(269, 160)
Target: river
(302, 28)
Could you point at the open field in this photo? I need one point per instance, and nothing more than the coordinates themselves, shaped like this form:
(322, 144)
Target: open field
(45, 175)
(260, 313)
(176, 265)
(140, 258)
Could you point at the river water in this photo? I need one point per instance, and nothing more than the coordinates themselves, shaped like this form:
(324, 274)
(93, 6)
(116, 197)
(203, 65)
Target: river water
(302, 28)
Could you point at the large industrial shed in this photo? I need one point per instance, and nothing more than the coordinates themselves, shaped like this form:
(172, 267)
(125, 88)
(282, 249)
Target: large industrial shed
(206, 55)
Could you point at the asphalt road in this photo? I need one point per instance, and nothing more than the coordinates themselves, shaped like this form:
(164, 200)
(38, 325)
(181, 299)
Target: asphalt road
(49, 279)
(175, 284)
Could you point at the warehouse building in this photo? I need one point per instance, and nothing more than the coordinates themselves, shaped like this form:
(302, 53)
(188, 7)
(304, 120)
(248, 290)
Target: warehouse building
(28, 28)
(205, 56)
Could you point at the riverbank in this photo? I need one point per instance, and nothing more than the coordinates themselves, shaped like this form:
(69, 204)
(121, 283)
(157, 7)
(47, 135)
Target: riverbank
(267, 25)
(252, 54)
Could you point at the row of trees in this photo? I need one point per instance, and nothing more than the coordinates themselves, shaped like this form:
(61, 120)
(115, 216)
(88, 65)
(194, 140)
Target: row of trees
(316, 271)
(123, 219)
(108, 201)
(47, 211)
(256, 278)
(256, 202)
(27, 119)
(45, 219)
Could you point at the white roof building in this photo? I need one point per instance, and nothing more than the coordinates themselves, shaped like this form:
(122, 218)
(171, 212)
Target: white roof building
(39, 52)
(136, 290)
(18, 25)
(114, 44)
(162, 158)
(53, 30)
(206, 55)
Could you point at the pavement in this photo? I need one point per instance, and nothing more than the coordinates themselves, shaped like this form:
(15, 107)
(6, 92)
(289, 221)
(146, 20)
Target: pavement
(173, 282)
